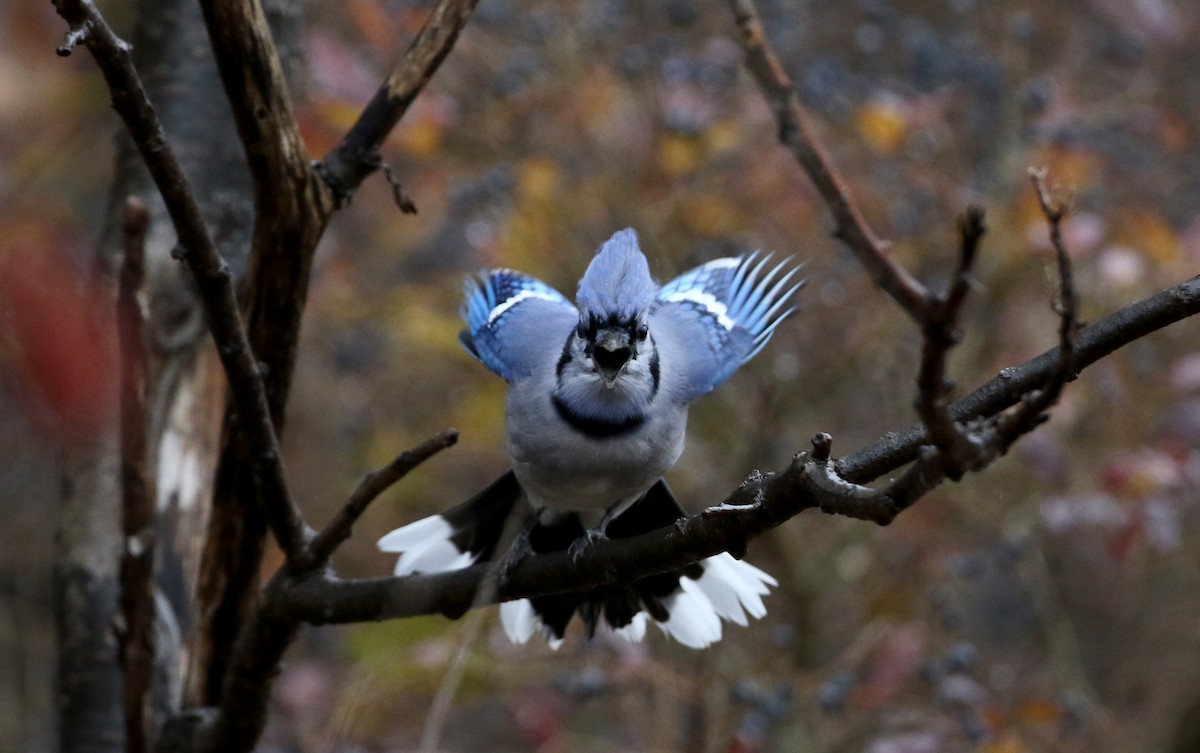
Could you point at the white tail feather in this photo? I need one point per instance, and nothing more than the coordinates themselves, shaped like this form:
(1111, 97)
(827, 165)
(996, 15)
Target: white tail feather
(635, 630)
(425, 547)
(519, 620)
(693, 620)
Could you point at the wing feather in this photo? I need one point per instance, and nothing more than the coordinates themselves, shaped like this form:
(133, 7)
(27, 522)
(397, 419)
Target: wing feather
(509, 316)
(719, 315)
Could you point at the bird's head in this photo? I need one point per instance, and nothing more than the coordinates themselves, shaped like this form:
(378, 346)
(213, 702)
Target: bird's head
(614, 300)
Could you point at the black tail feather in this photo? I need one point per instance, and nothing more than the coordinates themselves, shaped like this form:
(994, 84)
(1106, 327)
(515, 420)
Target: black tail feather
(617, 605)
(479, 522)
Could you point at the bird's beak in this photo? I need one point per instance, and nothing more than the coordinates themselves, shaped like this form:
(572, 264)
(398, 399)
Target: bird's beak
(611, 351)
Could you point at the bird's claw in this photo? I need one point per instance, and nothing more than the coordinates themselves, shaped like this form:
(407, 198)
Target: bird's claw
(582, 545)
(519, 550)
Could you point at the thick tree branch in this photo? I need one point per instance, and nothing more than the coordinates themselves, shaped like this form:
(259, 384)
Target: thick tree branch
(292, 205)
(795, 133)
(137, 557)
(242, 712)
(291, 209)
(761, 503)
(210, 271)
(357, 156)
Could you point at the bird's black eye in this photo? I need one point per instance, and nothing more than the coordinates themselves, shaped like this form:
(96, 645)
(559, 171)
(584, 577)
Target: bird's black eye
(642, 331)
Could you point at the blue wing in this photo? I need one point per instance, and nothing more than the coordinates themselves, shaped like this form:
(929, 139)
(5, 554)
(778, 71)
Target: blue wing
(717, 316)
(514, 321)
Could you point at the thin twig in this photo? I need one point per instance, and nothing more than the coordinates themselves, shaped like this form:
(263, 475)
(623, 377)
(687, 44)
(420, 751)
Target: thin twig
(213, 279)
(940, 333)
(399, 195)
(357, 156)
(443, 699)
(1030, 412)
(373, 484)
(795, 133)
(137, 511)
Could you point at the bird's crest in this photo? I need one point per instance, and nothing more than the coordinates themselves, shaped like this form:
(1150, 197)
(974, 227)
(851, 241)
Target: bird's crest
(617, 284)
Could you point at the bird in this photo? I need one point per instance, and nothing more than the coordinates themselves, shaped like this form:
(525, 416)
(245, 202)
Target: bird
(595, 415)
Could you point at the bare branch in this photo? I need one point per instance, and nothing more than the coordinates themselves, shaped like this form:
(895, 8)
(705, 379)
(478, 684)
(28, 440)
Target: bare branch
(250, 68)
(292, 204)
(213, 279)
(941, 333)
(137, 512)
(372, 485)
(795, 133)
(761, 503)
(403, 201)
(1029, 414)
(242, 710)
(357, 156)
(1093, 343)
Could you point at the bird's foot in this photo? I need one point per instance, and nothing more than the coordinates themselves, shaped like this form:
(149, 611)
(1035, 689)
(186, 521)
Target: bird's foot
(582, 545)
(517, 551)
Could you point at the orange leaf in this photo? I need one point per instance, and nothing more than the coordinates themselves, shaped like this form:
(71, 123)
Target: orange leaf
(883, 124)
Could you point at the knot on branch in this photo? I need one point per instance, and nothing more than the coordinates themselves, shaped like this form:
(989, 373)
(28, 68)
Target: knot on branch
(76, 35)
(822, 447)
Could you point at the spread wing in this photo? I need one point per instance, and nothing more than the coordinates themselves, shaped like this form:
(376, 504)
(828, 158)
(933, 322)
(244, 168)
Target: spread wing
(514, 321)
(714, 318)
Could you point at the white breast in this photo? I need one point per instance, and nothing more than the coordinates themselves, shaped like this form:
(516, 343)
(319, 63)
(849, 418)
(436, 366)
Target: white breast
(562, 469)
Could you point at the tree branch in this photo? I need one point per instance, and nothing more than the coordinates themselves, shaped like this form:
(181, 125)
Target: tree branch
(242, 711)
(1093, 343)
(137, 556)
(795, 133)
(1067, 305)
(374, 484)
(210, 271)
(357, 156)
(940, 333)
(292, 206)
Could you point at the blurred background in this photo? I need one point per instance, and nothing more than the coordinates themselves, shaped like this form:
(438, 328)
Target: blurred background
(1050, 603)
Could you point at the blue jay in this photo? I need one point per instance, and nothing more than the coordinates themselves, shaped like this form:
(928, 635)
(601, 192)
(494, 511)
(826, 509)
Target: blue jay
(596, 410)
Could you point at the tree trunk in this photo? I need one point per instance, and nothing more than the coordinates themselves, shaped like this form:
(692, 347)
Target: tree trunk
(185, 391)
